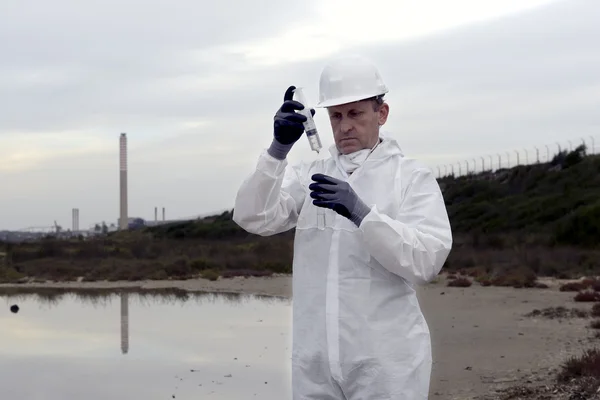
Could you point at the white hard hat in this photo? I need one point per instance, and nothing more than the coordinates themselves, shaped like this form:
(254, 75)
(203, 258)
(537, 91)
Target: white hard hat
(349, 79)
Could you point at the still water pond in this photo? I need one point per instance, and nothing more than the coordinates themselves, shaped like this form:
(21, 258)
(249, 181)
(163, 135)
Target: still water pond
(143, 345)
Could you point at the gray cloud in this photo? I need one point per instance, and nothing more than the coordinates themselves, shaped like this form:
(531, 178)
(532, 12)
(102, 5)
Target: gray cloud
(506, 84)
(73, 62)
(68, 31)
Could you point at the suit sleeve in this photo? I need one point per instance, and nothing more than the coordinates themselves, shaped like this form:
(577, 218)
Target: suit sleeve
(416, 243)
(270, 198)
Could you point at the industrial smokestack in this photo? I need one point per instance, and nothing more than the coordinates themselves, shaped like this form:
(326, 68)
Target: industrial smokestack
(123, 177)
(163, 213)
(75, 221)
(155, 214)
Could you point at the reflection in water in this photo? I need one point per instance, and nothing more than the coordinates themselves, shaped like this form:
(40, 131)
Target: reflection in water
(190, 345)
(124, 322)
(52, 297)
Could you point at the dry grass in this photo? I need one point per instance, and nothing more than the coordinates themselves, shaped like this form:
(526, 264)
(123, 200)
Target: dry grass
(580, 389)
(246, 273)
(585, 366)
(595, 324)
(460, 282)
(573, 287)
(588, 283)
(506, 276)
(182, 253)
(137, 256)
(521, 253)
(558, 313)
(587, 296)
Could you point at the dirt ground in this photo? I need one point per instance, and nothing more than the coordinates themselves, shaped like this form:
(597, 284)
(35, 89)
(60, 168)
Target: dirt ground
(482, 340)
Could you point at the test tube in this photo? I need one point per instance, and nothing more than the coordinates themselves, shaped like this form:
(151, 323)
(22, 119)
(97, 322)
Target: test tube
(309, 125)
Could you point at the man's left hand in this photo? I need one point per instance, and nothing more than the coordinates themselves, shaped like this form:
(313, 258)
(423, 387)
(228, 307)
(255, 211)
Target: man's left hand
(339, 196)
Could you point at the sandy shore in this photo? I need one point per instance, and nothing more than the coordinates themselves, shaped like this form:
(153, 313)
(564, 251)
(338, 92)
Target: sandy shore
(277, 285)
(482, 340)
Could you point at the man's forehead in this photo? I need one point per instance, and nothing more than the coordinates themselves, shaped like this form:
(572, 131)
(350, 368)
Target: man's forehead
(357, 105)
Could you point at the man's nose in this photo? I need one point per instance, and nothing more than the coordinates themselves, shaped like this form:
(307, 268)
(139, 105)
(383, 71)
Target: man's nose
(345, 127)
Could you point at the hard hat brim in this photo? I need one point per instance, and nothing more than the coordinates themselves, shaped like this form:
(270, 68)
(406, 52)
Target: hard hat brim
(348, 99)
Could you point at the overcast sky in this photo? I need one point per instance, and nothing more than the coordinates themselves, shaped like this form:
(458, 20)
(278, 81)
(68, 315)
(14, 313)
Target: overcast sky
(195, 88)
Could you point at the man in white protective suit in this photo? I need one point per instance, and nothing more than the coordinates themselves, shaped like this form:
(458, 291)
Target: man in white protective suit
(370, 224)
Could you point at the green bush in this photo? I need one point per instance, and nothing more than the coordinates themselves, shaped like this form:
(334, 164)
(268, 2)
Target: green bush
(580, 227)
(202, 264)
(10, 275)
(210, 274)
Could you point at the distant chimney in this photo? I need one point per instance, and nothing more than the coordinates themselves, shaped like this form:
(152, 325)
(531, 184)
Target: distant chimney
(163, 213)
(155, 214)
(123, 220)
(75, 219)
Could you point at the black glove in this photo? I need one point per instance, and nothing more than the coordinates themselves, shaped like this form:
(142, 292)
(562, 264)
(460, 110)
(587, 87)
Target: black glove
(338, 195)
(287, 127)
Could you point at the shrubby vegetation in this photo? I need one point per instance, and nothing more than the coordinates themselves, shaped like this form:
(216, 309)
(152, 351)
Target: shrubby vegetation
(555, 203)
(208, 248)
(509, 226)
(541, 219)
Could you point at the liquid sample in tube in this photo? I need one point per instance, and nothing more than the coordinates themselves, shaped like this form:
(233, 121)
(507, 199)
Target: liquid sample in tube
(309, 125)
(314, 140)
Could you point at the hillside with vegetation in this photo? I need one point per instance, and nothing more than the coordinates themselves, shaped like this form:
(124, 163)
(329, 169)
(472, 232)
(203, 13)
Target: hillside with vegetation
(541, 219)
(509, 226)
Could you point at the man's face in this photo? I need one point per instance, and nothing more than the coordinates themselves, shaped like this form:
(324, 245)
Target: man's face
(356, 125)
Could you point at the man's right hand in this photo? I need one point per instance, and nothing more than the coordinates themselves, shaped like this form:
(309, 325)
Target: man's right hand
(287, 125)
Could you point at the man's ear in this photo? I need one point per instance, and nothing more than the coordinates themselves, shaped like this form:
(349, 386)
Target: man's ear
(384, 111)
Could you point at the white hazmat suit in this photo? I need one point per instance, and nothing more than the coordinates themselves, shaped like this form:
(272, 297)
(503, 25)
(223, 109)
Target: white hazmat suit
(358, 331)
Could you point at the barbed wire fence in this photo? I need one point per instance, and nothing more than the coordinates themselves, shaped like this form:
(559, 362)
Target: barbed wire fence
(509, 159)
